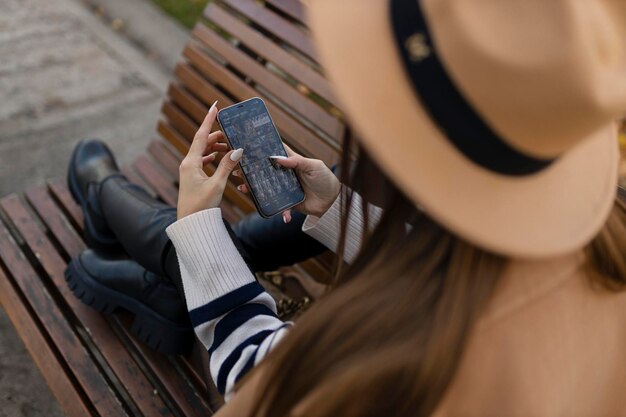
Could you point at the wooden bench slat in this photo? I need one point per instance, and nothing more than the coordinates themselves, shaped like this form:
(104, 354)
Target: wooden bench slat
(168, 192)
(48, 211)
(43, 355)
(188, 103)
(293, 8)
(186, 400)
(162, 185)
(268, 49)
(179, 120)
(133, 177)
(197, 103)
(156, 363)
(164, 156)
(200, 88)
(178, 390)
(230, 193)
(193, 366)
(122, 364)
(303, 139)
(173, 137)
(62, 195)
(275, 85)
(70, 348)
(281, 28)
(317, 271)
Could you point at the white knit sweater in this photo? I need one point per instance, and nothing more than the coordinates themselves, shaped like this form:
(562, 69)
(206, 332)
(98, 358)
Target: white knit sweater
(231, 313)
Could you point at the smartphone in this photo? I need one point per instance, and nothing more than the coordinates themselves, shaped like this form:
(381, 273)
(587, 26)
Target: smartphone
(248, 125)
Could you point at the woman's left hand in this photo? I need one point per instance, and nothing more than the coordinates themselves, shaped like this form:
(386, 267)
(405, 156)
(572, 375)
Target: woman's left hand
(197, 190)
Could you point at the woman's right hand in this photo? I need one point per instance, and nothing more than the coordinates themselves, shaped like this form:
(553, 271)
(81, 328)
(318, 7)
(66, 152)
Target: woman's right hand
(321, 186)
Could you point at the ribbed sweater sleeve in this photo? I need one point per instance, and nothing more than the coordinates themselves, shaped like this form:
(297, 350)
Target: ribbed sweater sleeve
(327, 229)
(232, 315)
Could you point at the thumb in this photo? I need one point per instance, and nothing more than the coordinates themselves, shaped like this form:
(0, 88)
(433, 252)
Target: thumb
(292, 162)
(228, 164)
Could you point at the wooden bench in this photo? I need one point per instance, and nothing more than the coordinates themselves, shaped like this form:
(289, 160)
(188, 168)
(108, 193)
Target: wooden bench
(93, 363)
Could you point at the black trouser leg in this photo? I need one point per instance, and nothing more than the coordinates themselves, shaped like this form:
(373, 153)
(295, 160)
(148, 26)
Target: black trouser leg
(270, 243)
(139, 222)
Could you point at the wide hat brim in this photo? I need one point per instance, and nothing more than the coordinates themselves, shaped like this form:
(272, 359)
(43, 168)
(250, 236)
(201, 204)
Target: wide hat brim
(553, 212)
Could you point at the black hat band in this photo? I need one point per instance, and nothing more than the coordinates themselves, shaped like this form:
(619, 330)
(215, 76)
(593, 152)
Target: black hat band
(461, 125)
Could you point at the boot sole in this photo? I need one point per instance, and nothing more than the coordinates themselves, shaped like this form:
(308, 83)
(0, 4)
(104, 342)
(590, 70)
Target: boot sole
(92, 238)
(156, 331)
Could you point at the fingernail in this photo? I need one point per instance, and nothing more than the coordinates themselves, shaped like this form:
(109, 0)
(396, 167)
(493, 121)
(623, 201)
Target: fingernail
(240, 187)
(213, 155)
(236, 156)
(278, 157)
(284, 218)
(213, 105)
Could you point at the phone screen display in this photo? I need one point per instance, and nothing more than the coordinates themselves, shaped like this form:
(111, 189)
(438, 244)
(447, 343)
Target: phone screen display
(248, 125)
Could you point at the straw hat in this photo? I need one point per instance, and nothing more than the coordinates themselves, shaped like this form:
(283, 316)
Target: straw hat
(498, 117)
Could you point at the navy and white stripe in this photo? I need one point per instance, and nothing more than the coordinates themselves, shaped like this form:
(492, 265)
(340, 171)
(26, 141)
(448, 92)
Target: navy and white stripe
(231, 313)
(238, 329)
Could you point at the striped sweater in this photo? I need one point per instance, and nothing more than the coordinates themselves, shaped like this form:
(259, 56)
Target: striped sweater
(232, 315)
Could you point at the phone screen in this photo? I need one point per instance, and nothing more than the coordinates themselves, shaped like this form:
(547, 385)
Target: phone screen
(248, 125)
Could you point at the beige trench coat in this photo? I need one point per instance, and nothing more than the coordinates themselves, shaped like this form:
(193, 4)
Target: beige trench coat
(551, 343)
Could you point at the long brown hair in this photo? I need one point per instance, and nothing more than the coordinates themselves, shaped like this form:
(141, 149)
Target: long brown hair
(388, 339)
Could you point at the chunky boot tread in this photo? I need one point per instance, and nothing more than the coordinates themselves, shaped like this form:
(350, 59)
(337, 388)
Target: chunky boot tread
(156, 331)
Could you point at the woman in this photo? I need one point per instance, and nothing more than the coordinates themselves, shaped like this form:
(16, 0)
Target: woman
(489, 279)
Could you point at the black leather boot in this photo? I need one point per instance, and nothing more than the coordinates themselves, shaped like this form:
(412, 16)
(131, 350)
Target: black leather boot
(90, 164)
(139, 221)
(161, 319)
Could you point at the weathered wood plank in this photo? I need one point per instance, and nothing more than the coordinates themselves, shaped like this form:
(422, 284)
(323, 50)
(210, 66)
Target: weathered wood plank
(180, 393)
(165, 157)
(43, 355)
(70, 348)
(62, 195)
(198, 86)
(153, 176)
(293, 8)
(139, 388)
(275, 85)
(180, 121)
(133, 177)
(270, 51)
(228, 211)
(193, 107)
(156, 363)
(173, 137)
(198, 371)
(302, 138)
(58, 224)
(284, 30)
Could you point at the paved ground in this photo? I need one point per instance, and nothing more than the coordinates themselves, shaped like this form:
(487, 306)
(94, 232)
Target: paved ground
(65, 74)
